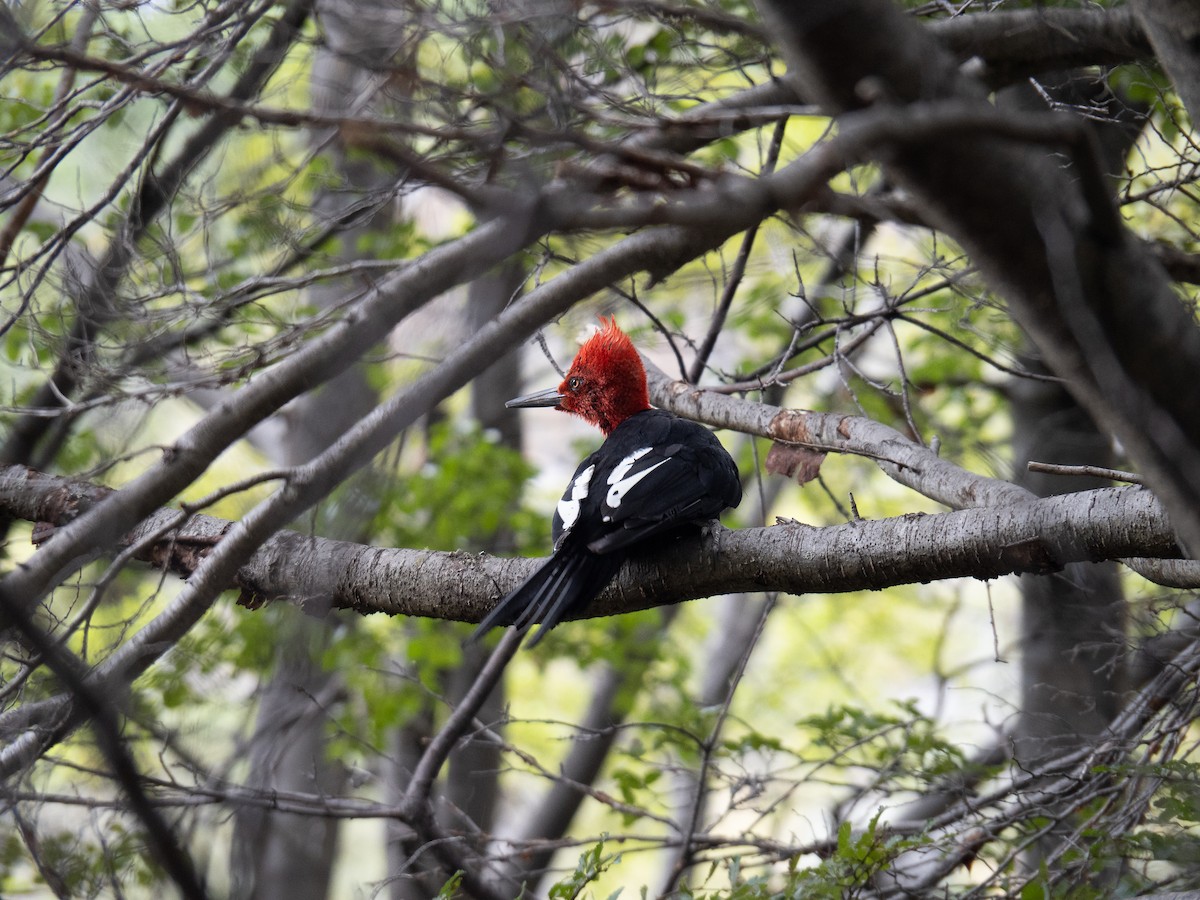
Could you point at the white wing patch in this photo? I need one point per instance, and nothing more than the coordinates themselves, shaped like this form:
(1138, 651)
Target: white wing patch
(568, 507)
(620, 481)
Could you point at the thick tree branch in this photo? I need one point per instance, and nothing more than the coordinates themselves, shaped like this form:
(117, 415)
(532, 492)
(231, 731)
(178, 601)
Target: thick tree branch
(1015, 45)
(1027, 536)
(1173, 28)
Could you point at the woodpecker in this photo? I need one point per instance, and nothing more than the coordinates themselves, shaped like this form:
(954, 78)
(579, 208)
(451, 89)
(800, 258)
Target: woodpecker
(654, 474)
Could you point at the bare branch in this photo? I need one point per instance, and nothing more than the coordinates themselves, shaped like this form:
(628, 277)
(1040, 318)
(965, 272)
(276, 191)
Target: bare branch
(981, 542)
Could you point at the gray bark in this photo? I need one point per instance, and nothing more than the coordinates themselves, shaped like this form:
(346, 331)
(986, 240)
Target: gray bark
(1073, 623)
(1173, 28)
(867, 554)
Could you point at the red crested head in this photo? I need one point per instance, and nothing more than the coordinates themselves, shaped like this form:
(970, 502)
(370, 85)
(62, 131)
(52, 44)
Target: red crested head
(606, 383)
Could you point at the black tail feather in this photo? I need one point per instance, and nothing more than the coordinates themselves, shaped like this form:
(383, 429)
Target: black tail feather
(574, 588)
(539, 599)
(568, 581)
(519, 607)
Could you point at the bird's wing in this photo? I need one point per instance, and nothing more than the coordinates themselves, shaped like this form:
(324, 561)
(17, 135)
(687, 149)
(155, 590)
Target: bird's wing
(654, 473)
(657, 488)
(573, 498)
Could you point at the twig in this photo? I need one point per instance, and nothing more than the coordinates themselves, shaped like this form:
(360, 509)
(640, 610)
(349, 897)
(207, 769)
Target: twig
(421, 783)
(416, 806)
(688, 848)
(739, 269)
(632, 297)
(29, 202)
(1086, 471)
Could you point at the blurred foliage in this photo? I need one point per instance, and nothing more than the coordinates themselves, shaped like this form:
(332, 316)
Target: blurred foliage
(467, 490)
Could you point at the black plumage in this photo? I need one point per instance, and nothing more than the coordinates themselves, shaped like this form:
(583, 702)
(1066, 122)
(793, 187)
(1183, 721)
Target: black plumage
(655, 474)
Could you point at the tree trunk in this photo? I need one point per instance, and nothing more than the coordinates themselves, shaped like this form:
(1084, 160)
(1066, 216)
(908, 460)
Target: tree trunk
(279, 856)
(1072, 623)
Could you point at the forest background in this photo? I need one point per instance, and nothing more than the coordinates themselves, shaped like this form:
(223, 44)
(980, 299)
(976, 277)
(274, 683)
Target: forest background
(269, 271)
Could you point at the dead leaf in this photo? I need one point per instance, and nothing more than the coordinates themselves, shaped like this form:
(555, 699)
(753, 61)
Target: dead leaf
(794, 461)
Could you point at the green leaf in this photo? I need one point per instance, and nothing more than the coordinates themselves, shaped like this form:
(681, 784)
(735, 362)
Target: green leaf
(449, 890)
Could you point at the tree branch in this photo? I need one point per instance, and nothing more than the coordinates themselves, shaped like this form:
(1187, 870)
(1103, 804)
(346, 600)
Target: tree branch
(1027, 536)
(1015, 45)
(1173, 28)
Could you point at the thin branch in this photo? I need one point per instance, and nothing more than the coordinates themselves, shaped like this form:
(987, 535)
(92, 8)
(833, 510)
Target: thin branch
(416, 803)
(1086, 472)
(154, 192)
(685, 859)
(417, 794)
(33, 192)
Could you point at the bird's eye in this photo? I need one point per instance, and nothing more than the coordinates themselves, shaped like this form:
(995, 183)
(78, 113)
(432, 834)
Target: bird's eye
(574, 383)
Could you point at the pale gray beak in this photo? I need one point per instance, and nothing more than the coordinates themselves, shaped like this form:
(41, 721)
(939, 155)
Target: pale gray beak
(548, 397)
